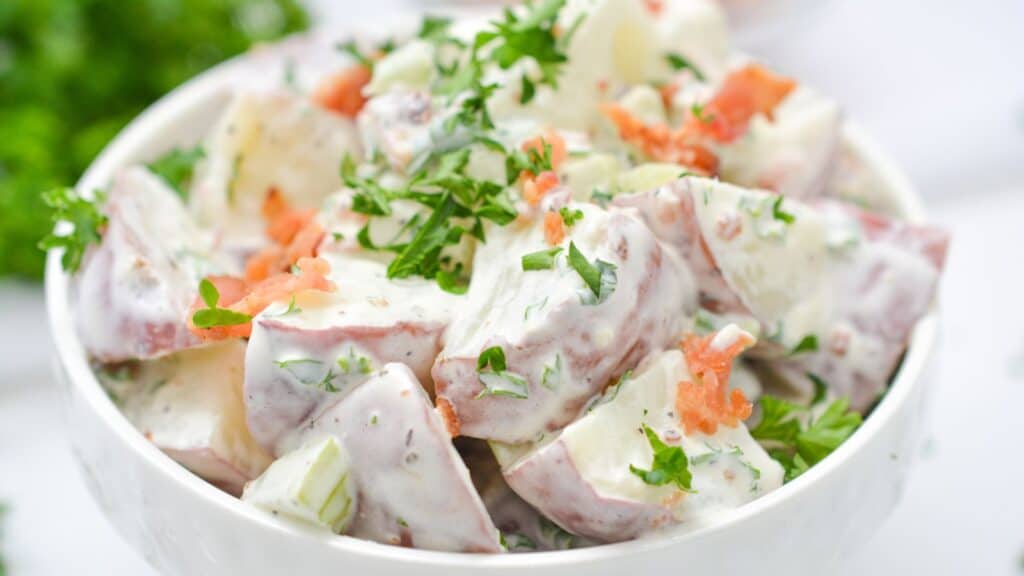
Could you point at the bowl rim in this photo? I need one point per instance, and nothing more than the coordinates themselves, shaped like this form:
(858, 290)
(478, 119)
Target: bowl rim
(149, 125)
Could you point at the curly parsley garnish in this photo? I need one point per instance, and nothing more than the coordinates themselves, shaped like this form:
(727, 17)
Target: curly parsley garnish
(213, 316)
(670, 464)
(799, 446)
(176, 168)
(86, 219)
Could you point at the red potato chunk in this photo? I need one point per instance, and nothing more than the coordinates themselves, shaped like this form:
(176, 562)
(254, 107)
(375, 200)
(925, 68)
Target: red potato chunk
(133, 293)
(190, 406)
(584, 479)
(849, 284)
(305, 355)
(562, 343)
(413, 488)
(881, 290)
(264, 141)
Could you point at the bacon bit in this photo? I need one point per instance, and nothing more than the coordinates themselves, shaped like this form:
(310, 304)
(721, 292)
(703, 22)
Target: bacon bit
(343, 92)
(559, 150)
(704, 405)
(655, 7)
(602, 86)
(451, 419)
(305, 243)
(296, 235)
(746, 92)
(554, 228)
(661, 143)
(534, 189)
(238, 295)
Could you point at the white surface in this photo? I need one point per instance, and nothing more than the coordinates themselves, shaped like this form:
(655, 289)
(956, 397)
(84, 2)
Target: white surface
(963, 511)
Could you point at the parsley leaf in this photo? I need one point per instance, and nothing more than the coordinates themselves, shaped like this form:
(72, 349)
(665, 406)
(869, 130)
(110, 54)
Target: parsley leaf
(678, 62)
(86, 219)
(779, 214)
(213, 316)
(496, 380)
(352, 49)
(808, 343)
(570, 217)
(670, 464)
(798, 446)
(434, 28)
(600, 276)
(541, 260)
(828, 431)
(176, 168)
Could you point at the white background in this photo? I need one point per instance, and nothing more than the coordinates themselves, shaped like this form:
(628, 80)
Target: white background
(941, 84)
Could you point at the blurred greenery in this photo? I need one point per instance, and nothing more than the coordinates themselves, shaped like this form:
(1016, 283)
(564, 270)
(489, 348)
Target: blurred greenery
(74, 72)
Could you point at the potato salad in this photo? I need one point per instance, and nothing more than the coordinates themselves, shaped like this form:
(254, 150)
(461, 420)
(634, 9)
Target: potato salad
(574, 274)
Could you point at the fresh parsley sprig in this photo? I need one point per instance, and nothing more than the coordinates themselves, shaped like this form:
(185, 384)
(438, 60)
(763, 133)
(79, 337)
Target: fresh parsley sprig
(798, 446)
(670, 464)
(214, 316)
(176, 168)
(87, 221)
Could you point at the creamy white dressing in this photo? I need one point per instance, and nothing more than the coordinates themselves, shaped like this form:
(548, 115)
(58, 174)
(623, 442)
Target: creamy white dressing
(793, 153)
(543, 322)
(190, 406)
(413, 488)
(777, 268)
(268, 140)
(828, 290)
(135, 290)
(591, 459)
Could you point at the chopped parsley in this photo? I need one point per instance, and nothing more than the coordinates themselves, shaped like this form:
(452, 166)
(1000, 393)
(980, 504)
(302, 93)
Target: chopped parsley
(354, 363)
(303, 370)
(670, 464)
(176, 168)
(808, 343)
(541, 260)
(86, 219)
(798, 446)
(570, 216)
(213, 316)
(599, 276)
(530, 160)
(779, 214)
(434, 28)
(552, 375)
(497, 381)
(678, 62)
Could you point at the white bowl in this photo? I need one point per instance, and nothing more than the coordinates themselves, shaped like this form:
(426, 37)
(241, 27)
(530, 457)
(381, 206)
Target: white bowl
(182, 525)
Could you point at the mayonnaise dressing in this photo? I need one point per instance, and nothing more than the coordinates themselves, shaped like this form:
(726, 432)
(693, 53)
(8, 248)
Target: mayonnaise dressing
(543, 321)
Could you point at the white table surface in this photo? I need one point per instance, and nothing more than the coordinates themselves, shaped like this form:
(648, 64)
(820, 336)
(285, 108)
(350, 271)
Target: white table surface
(963, 510)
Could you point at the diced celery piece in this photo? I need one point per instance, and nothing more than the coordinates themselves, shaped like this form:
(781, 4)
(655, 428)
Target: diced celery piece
(311, 484)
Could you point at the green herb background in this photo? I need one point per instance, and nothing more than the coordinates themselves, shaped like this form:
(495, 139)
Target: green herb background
(74, 72)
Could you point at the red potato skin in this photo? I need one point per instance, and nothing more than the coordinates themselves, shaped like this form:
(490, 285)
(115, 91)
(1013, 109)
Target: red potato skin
(653, 324)
(549, 480)
(423, 501)
(276, 404)
(669, 213)
(883, 311)
(142, 313)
